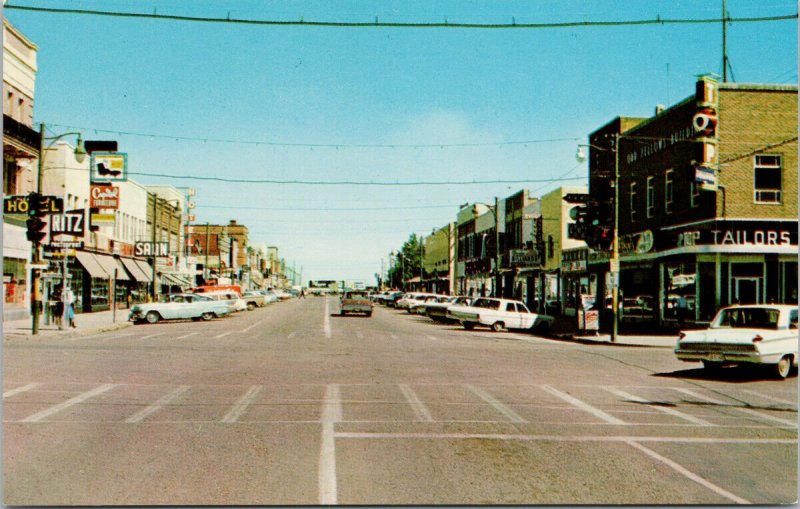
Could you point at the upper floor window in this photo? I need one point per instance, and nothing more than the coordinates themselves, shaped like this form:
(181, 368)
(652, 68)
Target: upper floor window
(633, 201)
(694, 195)
(767, 179)
(651, 196)
(668, 191)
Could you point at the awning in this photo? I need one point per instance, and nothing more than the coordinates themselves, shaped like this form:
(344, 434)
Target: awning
(110, 265)
(135, 271)
(90, 263)
(177, 279)
(146, 269)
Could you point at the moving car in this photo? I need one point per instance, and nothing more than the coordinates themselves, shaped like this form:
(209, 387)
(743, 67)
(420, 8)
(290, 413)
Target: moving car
(355, 301)
(498, 314)
(745, 334)
(178, 306)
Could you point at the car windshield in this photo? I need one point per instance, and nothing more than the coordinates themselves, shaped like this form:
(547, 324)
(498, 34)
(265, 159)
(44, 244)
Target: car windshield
(487, 303)
(749, 318)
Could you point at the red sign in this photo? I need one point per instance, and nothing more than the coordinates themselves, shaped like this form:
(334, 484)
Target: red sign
(104, 197)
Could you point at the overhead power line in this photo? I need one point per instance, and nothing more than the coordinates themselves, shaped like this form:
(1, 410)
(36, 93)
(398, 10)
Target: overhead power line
(313, 145)
(658, 20)
(352, 182)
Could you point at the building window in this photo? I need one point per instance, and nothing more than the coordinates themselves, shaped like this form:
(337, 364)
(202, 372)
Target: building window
(651, 196)
(551, 252)
(668, 191)
(767, 179)
(633, 201)
(694, 195)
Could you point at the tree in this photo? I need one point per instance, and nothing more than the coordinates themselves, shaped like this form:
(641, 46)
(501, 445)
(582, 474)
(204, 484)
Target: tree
(407, 263)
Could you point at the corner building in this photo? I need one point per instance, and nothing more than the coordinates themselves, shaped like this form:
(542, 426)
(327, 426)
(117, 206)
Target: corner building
(708, 205)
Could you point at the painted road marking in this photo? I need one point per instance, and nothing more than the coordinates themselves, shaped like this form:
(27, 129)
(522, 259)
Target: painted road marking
(73, 401)
(666, 410)
(583, 406)
(686, 473)
(500, 407)
(331, 413)
(152, 335)
(747, 411)
(240, 406)
(393, 336)
(18, 390)
(326, 323)
(771, 398)
(187, 335)
(248, 328)
(419, 408)
(291, 335)
(224, 334)
(432, 338)
(164, 400)
(359, 335)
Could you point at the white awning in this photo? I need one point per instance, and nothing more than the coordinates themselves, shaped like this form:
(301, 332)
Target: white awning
(90, 263)
(111, 267)
(135, 270)
(146, 269)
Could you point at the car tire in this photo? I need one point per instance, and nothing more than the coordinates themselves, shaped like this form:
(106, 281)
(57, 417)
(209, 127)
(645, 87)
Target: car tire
(208, 315)
(152, 317)
(497, 326)
(712, 365)
(468, 325)
(251, 306)
(783, 367)
(368, 314)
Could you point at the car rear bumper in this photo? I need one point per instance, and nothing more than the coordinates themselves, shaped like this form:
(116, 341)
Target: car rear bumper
(727, 356)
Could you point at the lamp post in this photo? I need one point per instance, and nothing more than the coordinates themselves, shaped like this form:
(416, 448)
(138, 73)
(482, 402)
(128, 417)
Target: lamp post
(496, 271)
(80, 156)
(614, 265)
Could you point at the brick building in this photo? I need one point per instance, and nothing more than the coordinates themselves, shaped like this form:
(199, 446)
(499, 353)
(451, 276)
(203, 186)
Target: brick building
(708, 207)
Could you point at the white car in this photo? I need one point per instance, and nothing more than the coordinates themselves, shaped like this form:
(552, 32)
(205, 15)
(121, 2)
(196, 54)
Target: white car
(753, 334)
(413, 298)
(437, 311)
(233, 299)
(178, 306)
(498, 314)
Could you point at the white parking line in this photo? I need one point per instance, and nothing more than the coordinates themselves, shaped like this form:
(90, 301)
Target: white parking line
(73, 401)
(326, 322)
(224, 334)
(146, 412)
(331, 413)
(152, 335)
(248, 328)
(686, 473)
(666, 410)
(18, 390)
(240, 406)
(771, 398)
(500, 407)
(747, 411)
(419, 408)
(432, 338)
(187, 335)
(583, 406)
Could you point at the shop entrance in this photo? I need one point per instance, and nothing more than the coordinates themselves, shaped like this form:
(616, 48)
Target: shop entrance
(748, 290)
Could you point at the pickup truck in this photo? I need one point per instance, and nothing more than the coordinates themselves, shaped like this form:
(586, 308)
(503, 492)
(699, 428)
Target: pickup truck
(355, 301)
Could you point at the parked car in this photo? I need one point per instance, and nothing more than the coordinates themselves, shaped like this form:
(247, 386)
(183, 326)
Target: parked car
(745, 334)
(412, 298)
(498, 314)
(254, 299)
(178, 306)
(269, 296)
(437, 311)
(419, 302)
(391, 298)
(233, 300)
(355, 301)
(419, 307)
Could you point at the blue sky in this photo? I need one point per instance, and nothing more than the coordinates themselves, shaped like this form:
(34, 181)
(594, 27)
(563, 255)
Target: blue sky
(303, 89)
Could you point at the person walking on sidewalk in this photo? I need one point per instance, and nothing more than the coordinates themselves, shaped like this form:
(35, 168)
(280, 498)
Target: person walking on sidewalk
(69, 303)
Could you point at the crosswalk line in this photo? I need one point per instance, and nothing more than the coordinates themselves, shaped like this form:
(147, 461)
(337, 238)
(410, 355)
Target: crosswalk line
(145, 412)
(583, 406)
(748, 411)
(420, 410)
(241, 406)
(18, 390)
(510, 414)
(771, 398)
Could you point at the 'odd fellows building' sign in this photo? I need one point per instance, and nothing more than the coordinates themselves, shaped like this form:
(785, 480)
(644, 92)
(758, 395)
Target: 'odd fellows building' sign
(146, 248)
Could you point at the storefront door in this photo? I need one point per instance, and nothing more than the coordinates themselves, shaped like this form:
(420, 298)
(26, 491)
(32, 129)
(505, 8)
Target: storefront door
(748, 290)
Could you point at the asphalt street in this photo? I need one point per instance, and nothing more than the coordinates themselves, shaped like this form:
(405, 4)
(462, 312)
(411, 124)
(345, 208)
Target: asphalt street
(292, 404)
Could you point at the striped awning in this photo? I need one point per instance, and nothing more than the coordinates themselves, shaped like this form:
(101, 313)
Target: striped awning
(177, 279)
(90, 263)
(146, 269)
(111, 267)
(135, 270)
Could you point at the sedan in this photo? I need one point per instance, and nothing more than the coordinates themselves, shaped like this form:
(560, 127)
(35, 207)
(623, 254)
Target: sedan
(437, 311)
(498, 314)
(178, 306)
(745, 334)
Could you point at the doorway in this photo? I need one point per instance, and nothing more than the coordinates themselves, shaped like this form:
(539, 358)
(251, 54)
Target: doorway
(748, 290)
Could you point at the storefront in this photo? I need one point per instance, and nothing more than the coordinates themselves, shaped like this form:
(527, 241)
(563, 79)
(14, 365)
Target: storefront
(141, 278)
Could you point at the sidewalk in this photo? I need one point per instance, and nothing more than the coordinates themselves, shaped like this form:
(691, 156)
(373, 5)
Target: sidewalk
(86, 325)
(566, 329)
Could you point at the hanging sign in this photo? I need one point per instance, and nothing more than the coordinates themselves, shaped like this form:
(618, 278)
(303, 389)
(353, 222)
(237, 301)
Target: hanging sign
(109, 167)
(104, 196)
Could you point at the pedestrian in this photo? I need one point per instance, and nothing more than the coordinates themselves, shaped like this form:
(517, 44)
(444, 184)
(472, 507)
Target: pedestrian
(59, 307)
(302, 293)
(69, 303)
(682, 310)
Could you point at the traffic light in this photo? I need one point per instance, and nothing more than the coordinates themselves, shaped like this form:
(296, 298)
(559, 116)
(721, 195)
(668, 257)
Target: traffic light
(593, 224)
(579, 229)
(35, 221)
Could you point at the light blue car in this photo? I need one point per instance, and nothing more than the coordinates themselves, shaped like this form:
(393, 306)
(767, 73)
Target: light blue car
(179, 306)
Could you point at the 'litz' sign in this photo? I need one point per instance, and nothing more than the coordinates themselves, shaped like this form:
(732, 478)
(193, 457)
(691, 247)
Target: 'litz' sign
(104, 197)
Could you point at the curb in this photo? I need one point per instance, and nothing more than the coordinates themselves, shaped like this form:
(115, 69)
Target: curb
(573, 339)
(74, 333)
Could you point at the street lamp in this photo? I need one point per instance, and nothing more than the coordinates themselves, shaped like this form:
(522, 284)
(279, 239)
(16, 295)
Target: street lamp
(80, 156)
(493, 210)
(614, 265)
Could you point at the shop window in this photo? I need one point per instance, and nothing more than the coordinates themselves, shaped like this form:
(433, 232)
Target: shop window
(651, 196)
(680, 290)
(633, 201)
(767, 179)
(668, 191)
